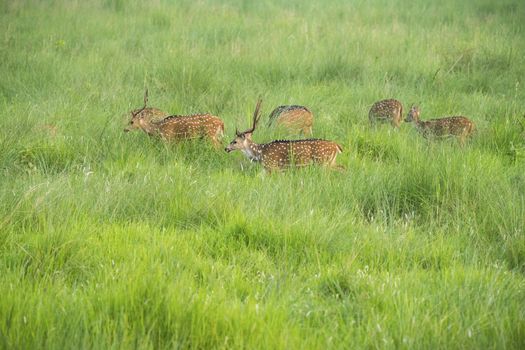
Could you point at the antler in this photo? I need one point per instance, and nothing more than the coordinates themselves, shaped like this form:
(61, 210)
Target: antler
(138, 111)
(256, 117)
(145, 98)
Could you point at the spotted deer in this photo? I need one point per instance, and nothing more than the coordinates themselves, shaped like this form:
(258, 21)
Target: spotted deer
(386, 111)
(458, 126)
(148, 113)
(294, 118)
(282, 154)
(178, 127)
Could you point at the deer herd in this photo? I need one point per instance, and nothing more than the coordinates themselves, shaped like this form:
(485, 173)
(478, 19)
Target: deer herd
(283, 154)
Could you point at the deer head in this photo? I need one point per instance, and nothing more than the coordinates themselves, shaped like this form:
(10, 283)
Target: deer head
(413, 114)
(136, 115)
(243, 139)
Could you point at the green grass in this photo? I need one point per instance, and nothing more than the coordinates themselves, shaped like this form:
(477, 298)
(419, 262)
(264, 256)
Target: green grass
(113, 240)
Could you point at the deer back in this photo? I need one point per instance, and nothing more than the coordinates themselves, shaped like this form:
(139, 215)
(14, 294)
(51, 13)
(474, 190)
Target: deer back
(292, 117)
(285, 153)
(389, 110)
(449, 126)
(192, 126)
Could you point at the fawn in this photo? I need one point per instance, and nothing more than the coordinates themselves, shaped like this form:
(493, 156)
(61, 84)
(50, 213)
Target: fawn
(386, 111)
(281, 154)
(178, 127)
(458, 126)
(294, 118)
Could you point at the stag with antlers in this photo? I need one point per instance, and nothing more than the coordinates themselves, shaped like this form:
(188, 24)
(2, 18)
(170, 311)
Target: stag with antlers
(282, 154)
(178, 127)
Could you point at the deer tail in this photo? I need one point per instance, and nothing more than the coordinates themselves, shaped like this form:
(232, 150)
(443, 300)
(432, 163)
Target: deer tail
(339, 148)
(472, 128)
(220, 130)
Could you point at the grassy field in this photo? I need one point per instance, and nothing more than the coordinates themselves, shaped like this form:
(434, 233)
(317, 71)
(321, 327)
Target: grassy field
(114, 240)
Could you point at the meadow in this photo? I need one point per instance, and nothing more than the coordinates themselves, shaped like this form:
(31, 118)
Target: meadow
(117, 240)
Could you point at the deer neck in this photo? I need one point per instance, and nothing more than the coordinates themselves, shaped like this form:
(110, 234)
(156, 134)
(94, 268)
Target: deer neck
(148, 127)
(253, 151)
(418, 123)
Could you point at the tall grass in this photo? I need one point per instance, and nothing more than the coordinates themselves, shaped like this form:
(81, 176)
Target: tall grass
(118, 240)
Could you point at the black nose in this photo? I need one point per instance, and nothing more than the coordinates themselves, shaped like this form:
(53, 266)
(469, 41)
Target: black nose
(227, 150)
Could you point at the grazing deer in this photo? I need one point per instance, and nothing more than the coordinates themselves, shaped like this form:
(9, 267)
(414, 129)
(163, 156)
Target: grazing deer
(281, 154)
(148, 113)
(294, 118)
(458, 126)
(178, 127)
(386, 111)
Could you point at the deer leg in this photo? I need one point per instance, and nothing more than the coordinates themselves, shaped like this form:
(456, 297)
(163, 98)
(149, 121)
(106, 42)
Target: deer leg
(269, 170)
(216, 143)
(219, 134)
(334, 166)
(216, 138)
(332, 163)
(394, 124)
(307, 130)
(462, 139)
